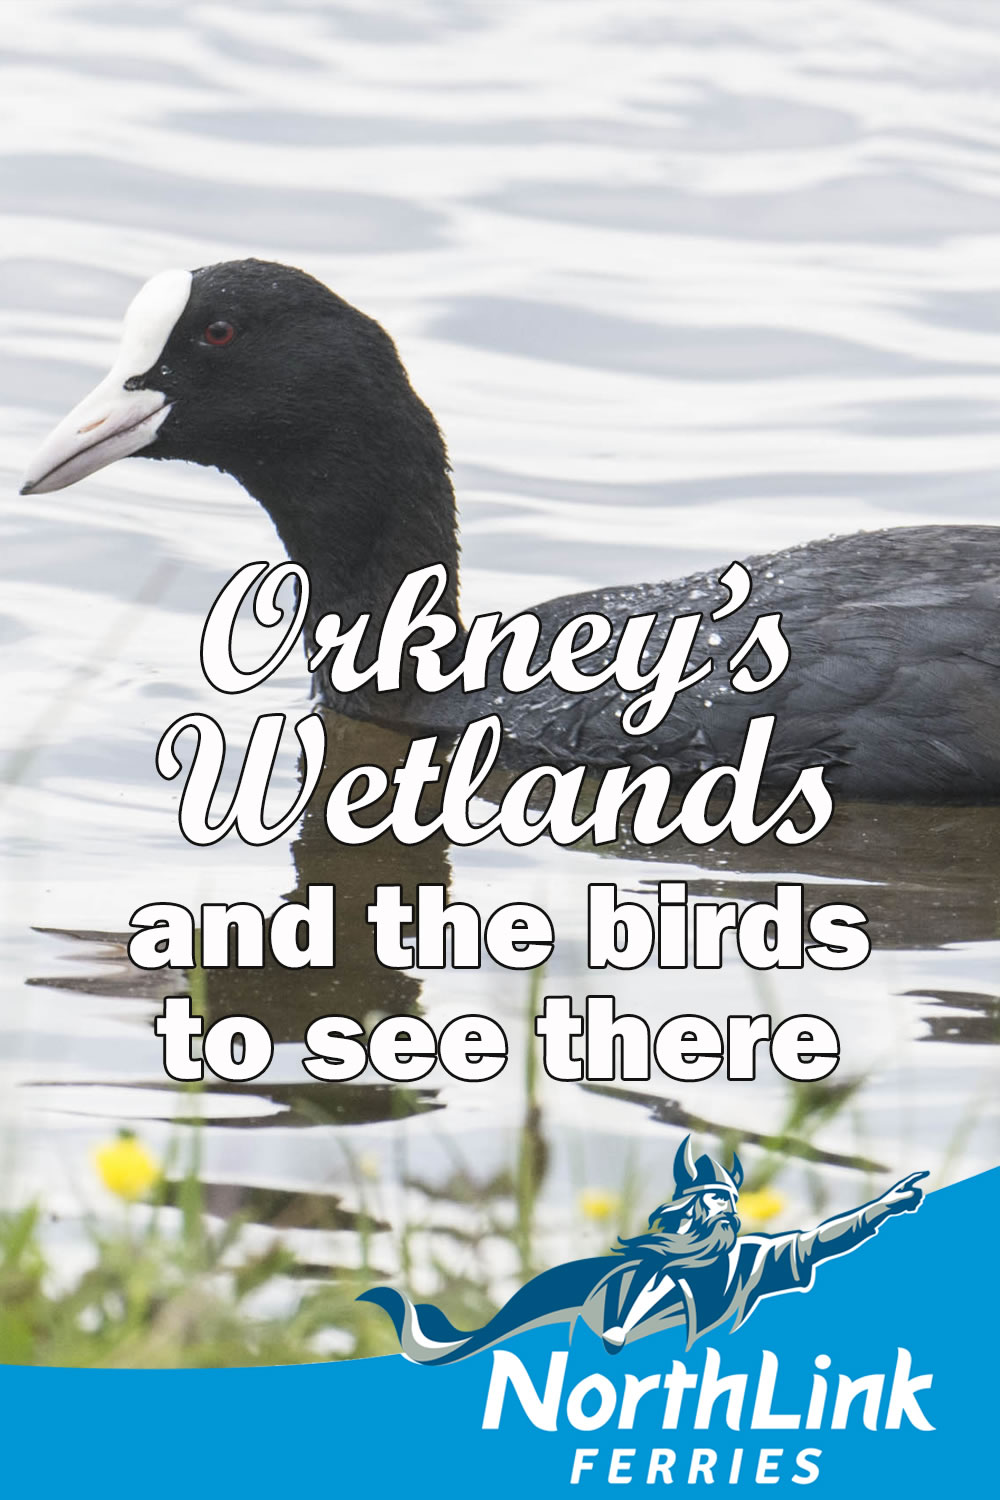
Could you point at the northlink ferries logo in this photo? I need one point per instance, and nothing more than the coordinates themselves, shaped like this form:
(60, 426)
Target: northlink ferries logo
(691, 1269)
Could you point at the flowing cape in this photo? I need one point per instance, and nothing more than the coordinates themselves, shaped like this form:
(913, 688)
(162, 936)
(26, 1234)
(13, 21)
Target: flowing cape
(599, 1290)
(555, 1296)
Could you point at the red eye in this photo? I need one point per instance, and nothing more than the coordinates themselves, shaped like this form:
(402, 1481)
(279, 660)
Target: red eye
(219, 334)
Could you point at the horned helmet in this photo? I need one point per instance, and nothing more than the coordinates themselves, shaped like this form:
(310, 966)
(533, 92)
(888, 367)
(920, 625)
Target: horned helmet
(704, 1175)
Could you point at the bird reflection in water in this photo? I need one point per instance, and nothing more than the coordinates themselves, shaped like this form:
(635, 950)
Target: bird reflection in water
(924, 876)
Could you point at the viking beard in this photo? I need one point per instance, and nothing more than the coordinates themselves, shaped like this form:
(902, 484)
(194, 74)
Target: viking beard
(704, 1242)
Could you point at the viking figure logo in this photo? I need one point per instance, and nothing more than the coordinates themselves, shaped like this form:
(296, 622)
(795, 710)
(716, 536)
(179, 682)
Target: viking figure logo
(691, 1269)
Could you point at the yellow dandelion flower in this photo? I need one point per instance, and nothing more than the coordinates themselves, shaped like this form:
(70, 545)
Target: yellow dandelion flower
(760, 1206)
(126, 1168)
(598, 1205)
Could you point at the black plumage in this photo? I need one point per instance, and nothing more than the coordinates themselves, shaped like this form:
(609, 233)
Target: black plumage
(895, 635)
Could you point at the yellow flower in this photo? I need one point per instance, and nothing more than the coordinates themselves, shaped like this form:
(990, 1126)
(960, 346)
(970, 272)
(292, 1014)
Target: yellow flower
(760, 1206)
(126, 1168)
(598, 1205)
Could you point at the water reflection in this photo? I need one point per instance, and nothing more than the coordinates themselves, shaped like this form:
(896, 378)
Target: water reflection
(968, 1018)
(288, 999)
(279, 1208)
(925, 877)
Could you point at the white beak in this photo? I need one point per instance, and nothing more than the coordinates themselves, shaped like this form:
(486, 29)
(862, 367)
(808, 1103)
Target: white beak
(110, 423)
(113, 422)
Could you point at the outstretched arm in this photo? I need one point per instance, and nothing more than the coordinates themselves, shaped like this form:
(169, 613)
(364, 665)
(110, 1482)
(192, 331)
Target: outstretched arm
(838, 1235)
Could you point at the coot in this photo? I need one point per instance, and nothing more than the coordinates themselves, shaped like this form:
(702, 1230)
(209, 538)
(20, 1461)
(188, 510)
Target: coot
(259, 370)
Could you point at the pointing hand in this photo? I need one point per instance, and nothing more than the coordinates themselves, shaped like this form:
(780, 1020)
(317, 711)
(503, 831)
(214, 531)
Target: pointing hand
(904, 1197)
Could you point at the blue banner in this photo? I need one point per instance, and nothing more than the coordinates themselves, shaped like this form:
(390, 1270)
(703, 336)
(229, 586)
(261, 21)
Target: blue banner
(880, 1375)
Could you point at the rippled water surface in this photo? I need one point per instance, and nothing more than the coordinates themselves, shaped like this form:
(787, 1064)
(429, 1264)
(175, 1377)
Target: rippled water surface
(680, 283)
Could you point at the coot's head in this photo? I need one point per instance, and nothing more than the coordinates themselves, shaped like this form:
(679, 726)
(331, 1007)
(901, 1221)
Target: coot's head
(248, 366)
